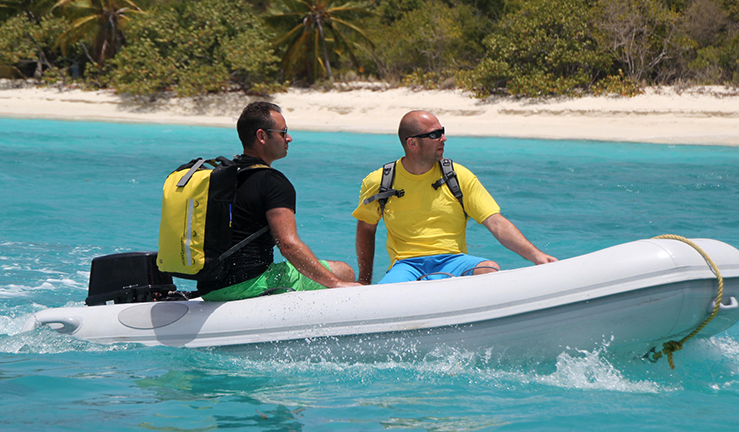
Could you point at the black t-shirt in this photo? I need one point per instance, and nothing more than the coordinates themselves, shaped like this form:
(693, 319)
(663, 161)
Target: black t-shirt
(259, 190)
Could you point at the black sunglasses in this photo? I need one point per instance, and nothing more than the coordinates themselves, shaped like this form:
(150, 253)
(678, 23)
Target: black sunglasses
(436, 134)
(281, 131)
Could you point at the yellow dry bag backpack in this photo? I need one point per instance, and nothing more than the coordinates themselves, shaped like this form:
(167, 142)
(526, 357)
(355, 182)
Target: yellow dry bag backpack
(195, 233)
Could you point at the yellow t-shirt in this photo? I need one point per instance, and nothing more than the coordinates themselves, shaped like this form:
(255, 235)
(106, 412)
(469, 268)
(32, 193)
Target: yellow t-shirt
(425, 221)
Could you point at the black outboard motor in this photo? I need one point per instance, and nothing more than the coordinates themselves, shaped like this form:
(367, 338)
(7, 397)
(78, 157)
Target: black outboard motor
(131, 277)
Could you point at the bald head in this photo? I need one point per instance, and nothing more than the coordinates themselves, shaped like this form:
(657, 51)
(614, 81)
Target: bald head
(413, 123)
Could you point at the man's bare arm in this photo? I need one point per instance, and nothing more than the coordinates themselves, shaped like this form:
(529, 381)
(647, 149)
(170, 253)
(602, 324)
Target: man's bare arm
(510, 237)
(285, 232)
(365, 251)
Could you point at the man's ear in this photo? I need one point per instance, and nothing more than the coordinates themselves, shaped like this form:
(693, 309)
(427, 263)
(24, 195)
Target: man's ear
(261, 136)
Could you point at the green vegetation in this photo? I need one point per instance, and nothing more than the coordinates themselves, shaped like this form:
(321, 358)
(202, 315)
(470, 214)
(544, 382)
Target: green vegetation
(101, 22)
(528, 48)
(193, 47)
(544, 48)
(425, 43)
(315, 28)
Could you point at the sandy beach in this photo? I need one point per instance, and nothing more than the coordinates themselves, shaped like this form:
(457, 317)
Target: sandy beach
(701, 115)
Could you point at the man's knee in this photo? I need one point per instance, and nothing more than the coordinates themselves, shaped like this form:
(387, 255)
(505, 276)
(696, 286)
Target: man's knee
(486, 267)
(342, 270)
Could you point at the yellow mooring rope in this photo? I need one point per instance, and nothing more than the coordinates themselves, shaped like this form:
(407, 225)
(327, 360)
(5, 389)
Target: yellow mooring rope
(670, 347)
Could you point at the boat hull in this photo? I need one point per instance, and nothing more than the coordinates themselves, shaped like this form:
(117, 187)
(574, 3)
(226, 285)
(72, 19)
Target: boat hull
(630, 297)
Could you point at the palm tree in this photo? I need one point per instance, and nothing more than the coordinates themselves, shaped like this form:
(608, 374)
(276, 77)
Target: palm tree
(100, 19)
(309, 21)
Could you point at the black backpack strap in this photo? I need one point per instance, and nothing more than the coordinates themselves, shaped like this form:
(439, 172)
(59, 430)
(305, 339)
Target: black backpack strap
(224, 256)
(449, 177)
(386, 187)
(255, 166)
(197, 164)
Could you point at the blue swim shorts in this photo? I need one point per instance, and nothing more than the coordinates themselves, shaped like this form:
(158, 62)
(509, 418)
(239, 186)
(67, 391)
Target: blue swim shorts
(411, 269)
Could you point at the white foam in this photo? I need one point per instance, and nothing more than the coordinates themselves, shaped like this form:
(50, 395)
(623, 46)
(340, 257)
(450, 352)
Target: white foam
(47, 341)
(12, 325)
(725, 345)
(46, 271)
(591, 371)
(12, 290)
(67, 282)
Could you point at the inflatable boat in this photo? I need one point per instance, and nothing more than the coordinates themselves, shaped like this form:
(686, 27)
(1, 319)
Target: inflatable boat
(630, 297)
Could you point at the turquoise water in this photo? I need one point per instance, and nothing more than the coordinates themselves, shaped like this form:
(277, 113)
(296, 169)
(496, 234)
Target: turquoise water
(71, 191)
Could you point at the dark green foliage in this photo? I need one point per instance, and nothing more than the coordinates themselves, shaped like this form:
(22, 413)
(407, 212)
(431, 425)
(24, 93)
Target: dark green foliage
(705, 22)
(33, 10)
(518, 47)
(194, 48)
(732, 9)
(315, 34)
(729, 60)
(101, 23)
(494, 9)
(545, 48)
(390, 11)
(29, 46)
(709, 54)
(639, 34)
(427, 45)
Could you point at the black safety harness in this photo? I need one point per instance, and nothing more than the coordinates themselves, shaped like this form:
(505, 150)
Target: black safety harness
(386, 191)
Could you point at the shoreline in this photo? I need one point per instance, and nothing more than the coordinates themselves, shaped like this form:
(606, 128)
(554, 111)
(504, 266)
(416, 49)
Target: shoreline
(701, 115)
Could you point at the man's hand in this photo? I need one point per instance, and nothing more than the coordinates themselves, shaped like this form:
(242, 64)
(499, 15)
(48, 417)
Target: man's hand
(542, 258)
(510, 237)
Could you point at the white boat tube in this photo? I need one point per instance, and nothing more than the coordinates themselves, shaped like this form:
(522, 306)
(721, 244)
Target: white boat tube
(631, 297)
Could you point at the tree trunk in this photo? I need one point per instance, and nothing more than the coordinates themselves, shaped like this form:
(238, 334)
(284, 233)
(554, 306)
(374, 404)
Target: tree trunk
(325, 51)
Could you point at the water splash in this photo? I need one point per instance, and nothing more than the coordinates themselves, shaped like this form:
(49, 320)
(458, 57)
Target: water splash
(594, 371)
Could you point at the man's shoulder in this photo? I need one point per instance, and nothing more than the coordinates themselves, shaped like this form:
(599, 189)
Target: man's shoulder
(375, 177)
(245, 160)
(258, 168)
(461, 170)
(275, 177)
(264, 179)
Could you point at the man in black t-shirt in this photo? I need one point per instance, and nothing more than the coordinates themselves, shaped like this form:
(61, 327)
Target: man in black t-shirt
(266, 197)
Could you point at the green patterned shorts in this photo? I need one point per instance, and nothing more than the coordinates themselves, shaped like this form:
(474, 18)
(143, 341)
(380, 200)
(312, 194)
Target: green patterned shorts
(278, 275)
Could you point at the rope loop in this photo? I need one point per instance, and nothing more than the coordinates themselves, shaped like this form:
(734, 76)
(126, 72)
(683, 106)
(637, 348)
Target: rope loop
(669, 347)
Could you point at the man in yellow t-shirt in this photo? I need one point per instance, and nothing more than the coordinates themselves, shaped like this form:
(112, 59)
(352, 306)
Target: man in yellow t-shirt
(426, 226)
